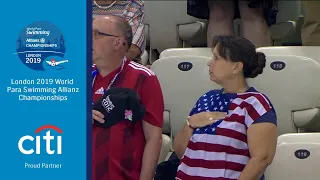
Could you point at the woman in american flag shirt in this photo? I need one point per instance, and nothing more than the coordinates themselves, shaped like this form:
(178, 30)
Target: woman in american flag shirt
(230, 133)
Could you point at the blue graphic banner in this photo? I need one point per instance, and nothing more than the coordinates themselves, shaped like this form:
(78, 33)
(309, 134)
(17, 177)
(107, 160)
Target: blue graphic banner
(44, 90)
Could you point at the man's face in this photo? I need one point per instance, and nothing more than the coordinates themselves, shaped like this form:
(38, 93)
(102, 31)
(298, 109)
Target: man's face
(104, 40)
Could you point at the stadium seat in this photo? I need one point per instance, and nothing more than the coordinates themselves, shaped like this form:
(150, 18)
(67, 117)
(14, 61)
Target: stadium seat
(297, 157)
(286, 29)
(181, 89)
(295, 95)
(181, 30)
(165, 26)
(293, 90)
(146, 33)
(165, 148)
(299, 138)
(166, 124)
(305, 51)
(186, 52)
(144, 58)
(192, 34)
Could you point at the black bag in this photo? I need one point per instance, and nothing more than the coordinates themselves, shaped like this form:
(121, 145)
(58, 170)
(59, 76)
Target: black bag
(167, 170)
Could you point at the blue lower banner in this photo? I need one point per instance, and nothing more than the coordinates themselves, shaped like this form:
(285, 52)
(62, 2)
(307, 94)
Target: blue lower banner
(44, 90)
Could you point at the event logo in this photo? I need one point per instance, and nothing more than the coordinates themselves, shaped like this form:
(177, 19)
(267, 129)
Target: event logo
(48, 141)
(107, 104)
(41, 46)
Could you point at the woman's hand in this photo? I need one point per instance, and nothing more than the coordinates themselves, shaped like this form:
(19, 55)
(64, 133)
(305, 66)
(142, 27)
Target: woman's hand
(205, 118)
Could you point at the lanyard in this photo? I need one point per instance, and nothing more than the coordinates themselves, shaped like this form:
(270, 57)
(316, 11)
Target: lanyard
(95, 73)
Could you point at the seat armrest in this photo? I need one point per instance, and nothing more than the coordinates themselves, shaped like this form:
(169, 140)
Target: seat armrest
(188, 31)
(282, 30)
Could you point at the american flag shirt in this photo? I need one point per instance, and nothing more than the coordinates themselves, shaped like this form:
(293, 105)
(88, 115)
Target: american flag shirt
(133, 11)
(220, 151)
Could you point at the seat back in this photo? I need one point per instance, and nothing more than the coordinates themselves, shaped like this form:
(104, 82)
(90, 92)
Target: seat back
(294, 88)
(299, 138)
(181, 89)
(305, 51)
(165, 148)
(297, 157)
(186, 52)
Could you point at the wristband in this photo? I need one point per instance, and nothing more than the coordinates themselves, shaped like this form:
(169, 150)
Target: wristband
(188, 123)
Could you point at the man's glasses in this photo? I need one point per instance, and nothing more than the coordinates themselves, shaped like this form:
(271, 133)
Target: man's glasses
(97, 34)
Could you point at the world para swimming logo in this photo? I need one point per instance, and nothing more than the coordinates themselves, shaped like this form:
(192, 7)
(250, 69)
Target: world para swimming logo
(41, 46)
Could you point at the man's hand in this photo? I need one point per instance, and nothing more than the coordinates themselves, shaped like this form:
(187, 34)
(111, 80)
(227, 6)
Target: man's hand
(97, 116)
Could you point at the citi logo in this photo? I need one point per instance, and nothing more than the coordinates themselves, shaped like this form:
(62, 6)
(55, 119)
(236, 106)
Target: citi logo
(39, 141)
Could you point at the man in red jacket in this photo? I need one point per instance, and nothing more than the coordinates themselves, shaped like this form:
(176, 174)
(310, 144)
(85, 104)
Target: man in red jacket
(125, 151)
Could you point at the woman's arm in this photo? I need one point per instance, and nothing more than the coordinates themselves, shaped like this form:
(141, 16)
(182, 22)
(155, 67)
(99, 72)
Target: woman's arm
(262, 142)
(181, 141)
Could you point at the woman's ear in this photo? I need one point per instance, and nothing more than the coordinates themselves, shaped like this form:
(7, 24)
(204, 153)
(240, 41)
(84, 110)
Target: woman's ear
(238, 67)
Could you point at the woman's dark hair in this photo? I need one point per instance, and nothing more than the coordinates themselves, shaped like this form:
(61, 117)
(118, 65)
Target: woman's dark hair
(239, 49)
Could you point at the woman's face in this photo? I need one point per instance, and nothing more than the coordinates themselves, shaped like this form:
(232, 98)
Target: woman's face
(220, 69)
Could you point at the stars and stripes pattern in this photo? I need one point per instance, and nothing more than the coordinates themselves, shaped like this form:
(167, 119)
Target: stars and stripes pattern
(220, 151)
(210, 103)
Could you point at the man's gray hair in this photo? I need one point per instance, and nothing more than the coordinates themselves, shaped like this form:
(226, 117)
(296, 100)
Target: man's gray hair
(126, 30)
